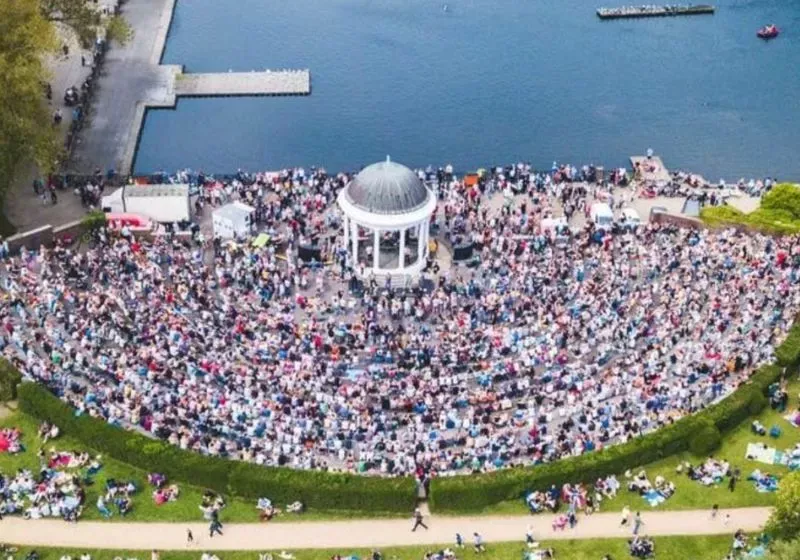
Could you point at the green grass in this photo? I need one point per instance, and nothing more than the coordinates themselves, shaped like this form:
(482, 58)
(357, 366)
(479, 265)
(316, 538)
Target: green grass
(667, 548)
(778, 213)
(186, 508)
(693, 495)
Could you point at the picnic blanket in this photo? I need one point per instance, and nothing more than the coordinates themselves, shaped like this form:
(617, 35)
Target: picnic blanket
(765, 454)
(654, 498)
(764, 483)
(756, 552)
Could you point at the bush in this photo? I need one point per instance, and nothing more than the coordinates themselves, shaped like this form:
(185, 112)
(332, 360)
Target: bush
(317, 490)
(9, 379)
(706, 440)
(779, 213)
(784, 522)
(788, 353)
(757, 403)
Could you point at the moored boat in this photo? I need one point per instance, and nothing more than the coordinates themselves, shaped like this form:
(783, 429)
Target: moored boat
(768, 32)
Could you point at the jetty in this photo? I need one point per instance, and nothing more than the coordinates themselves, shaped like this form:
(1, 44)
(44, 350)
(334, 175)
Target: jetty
(269, 82)
(650, 169)
(629, 12)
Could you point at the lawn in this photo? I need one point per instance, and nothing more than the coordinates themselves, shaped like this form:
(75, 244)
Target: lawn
(186, 508)
(667, 548)
(693, 495)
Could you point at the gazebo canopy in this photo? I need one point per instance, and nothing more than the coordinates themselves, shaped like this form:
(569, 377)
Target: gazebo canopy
(387, 188)
(387, 213)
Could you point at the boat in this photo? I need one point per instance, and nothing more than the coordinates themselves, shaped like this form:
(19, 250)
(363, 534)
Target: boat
(768, 32)
(654, 11)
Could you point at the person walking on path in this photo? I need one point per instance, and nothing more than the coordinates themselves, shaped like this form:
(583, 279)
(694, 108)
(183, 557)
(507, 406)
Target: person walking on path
(459, 541)
(215, 527)
(479, 546)
(637, 523)
(626, 516)
(530, 542)
(714, 511)
(418, 521)
(189, 536)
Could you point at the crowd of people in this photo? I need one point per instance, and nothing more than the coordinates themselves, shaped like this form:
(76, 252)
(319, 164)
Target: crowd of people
(536, 353)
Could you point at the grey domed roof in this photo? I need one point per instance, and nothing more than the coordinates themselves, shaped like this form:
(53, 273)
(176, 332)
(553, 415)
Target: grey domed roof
(387, 188)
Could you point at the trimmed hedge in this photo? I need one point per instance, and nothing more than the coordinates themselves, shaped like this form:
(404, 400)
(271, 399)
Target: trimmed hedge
(706, 440)
(451, 494)
(317, 490)
(9, 379)
(469, 494)
(788, 353)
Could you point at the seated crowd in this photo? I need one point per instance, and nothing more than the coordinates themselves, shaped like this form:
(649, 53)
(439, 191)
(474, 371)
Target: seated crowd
(538, 352)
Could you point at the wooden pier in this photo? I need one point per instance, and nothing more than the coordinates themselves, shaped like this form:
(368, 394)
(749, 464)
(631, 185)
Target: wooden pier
(269, 82)
(629, 12)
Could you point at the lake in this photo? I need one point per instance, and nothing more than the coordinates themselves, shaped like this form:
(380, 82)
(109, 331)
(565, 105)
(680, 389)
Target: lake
(485, 82)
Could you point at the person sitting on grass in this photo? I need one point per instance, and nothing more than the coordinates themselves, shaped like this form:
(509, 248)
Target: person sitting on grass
(641, 547)
(48, 431)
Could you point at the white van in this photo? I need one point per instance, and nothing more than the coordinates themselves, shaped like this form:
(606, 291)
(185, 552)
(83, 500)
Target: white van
(601, 215)
(630, 219)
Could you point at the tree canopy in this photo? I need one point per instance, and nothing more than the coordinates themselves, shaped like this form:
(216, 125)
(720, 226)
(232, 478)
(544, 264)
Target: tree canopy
(26, 132)
(785, 550)
(86, 20)
(785, 519)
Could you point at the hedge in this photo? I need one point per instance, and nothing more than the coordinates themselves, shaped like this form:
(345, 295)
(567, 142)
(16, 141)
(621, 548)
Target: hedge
(9, 379)
(316, 489)
(452, 494)
(470, 494)
(706, 440)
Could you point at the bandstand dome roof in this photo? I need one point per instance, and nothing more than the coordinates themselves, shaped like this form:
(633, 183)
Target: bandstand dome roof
(387, 188)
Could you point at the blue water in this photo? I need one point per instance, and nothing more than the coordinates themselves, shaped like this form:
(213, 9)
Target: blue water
(485, 82)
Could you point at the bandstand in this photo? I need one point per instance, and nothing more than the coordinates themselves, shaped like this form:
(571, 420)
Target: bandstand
(387, 214)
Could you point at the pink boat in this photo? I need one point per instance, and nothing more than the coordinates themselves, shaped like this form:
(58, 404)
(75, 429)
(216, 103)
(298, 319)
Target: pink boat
(768, 32)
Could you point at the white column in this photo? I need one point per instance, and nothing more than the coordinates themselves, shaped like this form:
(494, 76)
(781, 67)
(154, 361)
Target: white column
(346, 225)
(403, 248)
(376, 250)
(420, 244)
(354, 236)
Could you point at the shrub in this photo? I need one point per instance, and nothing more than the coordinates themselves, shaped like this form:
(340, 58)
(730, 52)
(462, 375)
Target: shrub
(788, 353)
(784, 522)
(318, 490)
(779, 213)
(757, 403)
(9, 379)
(706, 440)
(93, 220)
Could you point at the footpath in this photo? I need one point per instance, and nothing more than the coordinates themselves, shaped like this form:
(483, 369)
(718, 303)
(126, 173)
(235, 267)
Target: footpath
(365, 533)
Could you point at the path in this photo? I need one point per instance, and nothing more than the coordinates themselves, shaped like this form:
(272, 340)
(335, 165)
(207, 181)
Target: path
(364, 534)
(131, 74)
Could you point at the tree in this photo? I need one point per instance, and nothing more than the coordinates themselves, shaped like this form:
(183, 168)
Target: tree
(26, 132)
(785, 550)
(784, 522)
(86, 20)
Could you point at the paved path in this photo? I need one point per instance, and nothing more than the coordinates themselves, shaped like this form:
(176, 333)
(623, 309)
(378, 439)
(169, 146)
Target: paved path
(363, 534)
(131, 75)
